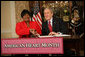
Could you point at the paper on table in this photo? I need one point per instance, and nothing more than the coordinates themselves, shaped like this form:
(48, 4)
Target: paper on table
(62, 35)
(45, 36)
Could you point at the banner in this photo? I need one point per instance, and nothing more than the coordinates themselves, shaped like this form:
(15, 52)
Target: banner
(52, 45)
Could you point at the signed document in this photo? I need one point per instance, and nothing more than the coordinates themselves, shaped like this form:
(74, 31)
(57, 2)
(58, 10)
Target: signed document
(61, 35)
(45, 36)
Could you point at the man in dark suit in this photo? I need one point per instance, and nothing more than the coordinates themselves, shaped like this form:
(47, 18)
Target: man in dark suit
(57, 25)
(53, 25)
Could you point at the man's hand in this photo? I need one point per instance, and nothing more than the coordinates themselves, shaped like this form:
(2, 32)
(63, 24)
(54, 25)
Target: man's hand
(53, 33)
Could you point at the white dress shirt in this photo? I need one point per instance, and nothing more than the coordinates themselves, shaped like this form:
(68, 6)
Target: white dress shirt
(50, 21)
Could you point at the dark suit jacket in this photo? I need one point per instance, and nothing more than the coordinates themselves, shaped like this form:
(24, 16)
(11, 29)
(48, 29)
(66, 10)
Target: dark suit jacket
(57, 26)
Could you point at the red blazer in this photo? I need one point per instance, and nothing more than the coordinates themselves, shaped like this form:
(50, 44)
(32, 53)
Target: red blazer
(23, 30)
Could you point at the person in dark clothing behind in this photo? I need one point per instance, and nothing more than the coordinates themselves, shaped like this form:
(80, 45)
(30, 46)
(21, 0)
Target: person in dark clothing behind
(76, 24)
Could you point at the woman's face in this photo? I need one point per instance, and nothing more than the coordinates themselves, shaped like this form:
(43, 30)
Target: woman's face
(26, 17)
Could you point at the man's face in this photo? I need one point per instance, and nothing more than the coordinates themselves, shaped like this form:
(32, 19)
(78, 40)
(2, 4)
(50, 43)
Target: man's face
(48, 14)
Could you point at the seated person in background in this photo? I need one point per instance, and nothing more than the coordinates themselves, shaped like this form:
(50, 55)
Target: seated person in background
(75, 24)
(27, 27)
(52, 25)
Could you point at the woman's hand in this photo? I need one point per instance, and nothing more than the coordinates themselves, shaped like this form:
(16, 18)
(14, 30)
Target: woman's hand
(34, 32)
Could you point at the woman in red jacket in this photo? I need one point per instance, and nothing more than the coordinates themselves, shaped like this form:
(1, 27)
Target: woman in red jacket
(23, 28)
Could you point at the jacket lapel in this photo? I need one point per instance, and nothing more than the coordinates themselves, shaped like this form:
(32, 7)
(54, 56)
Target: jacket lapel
(55, 25)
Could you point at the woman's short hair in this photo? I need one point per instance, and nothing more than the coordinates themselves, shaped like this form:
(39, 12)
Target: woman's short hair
(25, 12)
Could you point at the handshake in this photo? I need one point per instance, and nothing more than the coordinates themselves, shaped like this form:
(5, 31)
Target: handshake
(33, 33)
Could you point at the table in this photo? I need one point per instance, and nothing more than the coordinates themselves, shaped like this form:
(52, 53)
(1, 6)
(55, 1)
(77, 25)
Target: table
(73, 42)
